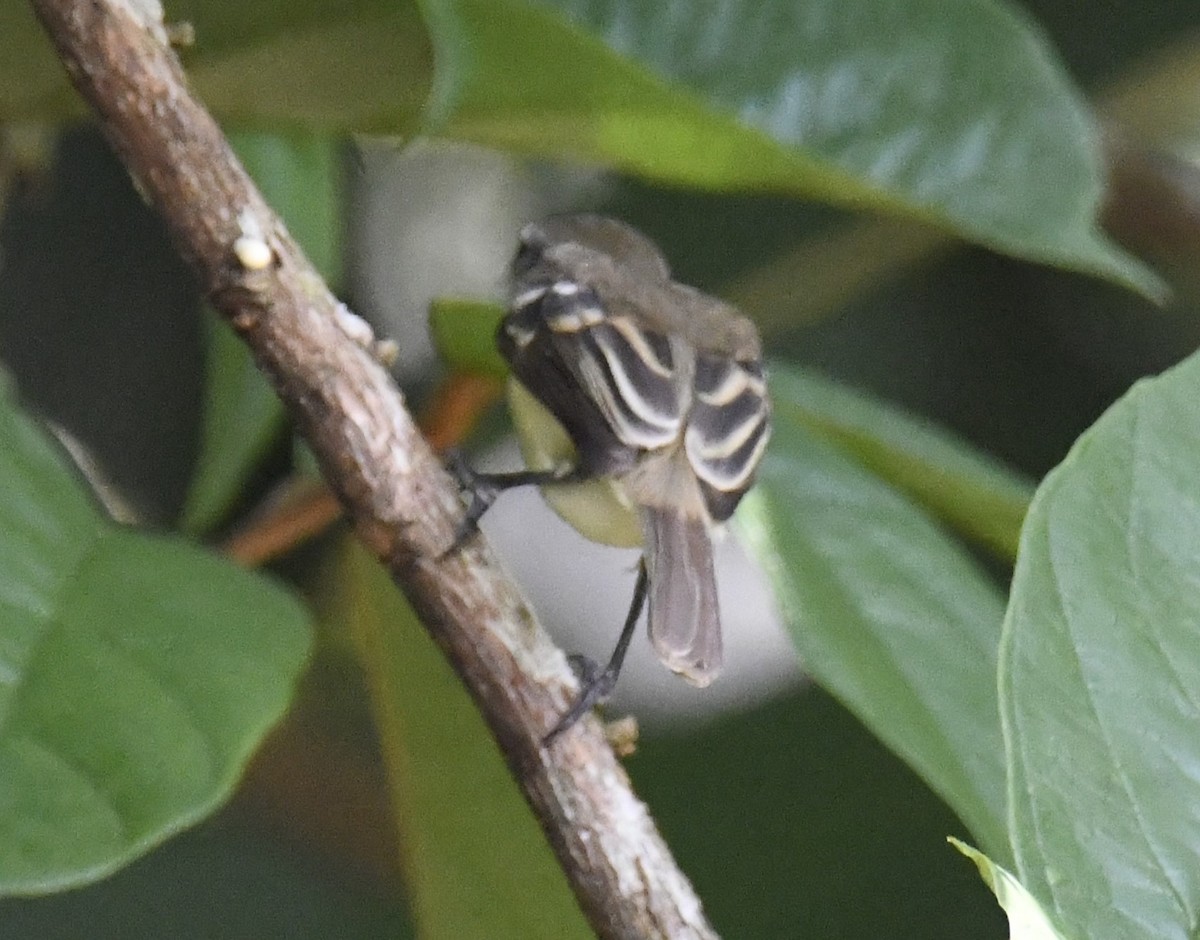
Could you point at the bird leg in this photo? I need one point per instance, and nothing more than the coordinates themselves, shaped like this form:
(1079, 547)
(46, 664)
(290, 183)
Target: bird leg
(596, 683)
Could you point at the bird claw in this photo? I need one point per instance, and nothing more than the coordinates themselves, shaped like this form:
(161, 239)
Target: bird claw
(596, 685)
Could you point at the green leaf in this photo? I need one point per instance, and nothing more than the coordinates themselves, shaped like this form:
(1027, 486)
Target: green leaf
(358, 65)
(139, 673)
(477, 864)
(962, 487)
(464, 334)
(33, 84)
(1100, 669)
(947, 112)
(888, 614)
(1026, 919)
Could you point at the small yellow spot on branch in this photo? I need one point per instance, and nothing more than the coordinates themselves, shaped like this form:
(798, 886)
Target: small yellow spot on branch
(251, 248)
(181, 35)
(622, 735)
(254, 254)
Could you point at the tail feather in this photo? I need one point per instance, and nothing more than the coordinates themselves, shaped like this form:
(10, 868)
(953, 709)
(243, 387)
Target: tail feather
(685, 623)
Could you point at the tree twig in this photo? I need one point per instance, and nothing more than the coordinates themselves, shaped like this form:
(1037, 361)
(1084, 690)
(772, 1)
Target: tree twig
(404, 506)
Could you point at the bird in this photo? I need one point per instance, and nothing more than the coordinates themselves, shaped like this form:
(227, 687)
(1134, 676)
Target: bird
(642, 409)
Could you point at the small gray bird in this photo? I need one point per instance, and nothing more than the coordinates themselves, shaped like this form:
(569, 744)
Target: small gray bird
(642, 412)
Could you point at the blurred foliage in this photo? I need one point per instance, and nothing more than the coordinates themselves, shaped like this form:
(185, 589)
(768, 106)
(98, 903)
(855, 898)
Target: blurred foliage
(223, 879)
(1026, 919)
(472, 852)
(911, 365)
(1103, 612)
(128, 714)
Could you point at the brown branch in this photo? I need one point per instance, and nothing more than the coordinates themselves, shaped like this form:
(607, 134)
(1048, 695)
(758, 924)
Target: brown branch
(404, 506)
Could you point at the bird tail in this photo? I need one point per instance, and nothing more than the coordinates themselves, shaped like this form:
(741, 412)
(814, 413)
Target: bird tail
(685, 623)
